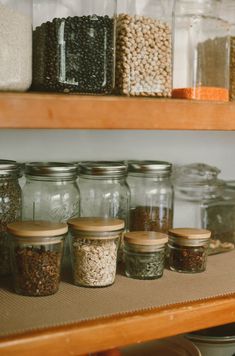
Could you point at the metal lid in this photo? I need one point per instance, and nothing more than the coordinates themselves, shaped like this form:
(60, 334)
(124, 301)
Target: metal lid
(146, 238)
(96, 224)
(51, 170)
(10, 168)
(150, 167)
(103, 168)
(37, 229)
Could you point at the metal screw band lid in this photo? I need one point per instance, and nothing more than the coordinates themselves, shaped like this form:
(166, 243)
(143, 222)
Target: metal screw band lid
(51, 170)
(150, 167)
(103, 168)
(10, 168)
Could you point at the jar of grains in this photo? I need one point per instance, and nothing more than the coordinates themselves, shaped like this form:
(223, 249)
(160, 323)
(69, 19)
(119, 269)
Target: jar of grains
(144, 60)
(144, 254)
(36, 254)
(74, 46)
(201, 51)
(151, 207)
(10, 207)
(94, 245)
(16, 45)
(188, 249)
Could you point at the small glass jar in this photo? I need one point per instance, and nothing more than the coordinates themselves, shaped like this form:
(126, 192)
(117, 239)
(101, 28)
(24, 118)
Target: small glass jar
(152, 196)
(74, 46)
(94, 246)
(201, 51)
(188, 249)
(10, 207)
(36, 254)
(16, 45)
(144, 254)
(144, 49)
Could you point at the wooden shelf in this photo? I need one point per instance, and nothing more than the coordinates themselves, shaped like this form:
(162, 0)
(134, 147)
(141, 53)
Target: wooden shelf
(52, 111)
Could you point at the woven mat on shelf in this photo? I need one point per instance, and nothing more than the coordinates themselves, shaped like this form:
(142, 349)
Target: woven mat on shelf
(73, 304)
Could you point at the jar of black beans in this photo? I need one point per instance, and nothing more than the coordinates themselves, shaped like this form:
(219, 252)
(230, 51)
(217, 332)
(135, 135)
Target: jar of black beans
(74, 46)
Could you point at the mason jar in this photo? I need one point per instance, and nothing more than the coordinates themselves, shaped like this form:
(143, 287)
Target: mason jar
(144, 254)
(36, 255)
(16, 45)
(152, 196)
(94, 246)
(188, 249)
(74, 46)
(10, 207)
(144, 48)
(201, 51)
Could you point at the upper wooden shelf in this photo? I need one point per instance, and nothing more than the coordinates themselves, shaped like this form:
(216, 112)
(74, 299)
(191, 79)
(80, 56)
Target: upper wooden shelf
(55, 111)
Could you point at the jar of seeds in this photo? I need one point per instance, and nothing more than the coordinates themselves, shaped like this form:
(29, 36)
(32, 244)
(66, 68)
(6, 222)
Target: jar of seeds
(94, 245)
(144, 254)
(36, 255)
(188, 249)
(10, 207)
(74, 46)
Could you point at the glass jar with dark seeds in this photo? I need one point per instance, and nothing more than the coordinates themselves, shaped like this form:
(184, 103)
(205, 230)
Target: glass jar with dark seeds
(36, 255)
(144, 254)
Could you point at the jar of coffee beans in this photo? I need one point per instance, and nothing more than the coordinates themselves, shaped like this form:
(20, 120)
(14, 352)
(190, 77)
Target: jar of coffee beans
(188, 249)
(36, 254)
(144, 254)
(74, 46)
(94, 246)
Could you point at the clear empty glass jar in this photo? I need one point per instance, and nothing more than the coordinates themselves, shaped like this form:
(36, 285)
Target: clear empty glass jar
(144, 254)
(94, 246)
(36, 254)
(188, 249)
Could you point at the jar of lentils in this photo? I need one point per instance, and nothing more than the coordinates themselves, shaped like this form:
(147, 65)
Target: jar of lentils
(144, 254)
(94, 246)
(36, 254)
(188, 249)
(74, 46)
(10, 207)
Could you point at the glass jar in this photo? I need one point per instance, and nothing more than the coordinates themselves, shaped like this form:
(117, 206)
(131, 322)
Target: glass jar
(10, 207)
(16, 45)
(144, 49)
(188, 249)
(144, 254)
(152, 196)
(201, 51)
(94, 246)
(36, 254)
(74, 46)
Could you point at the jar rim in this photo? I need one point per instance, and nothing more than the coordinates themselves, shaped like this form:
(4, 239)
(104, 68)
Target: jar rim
(10, 168)
(103, 168)
(150, 167)
(51, 169)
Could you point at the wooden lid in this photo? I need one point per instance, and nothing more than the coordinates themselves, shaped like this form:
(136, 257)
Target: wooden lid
(96, 224)
(190, 233)
(37, 229)
(147, 238)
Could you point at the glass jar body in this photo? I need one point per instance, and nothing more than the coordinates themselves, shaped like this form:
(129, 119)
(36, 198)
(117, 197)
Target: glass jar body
(144, 49)
(74, 46)
(16, 45)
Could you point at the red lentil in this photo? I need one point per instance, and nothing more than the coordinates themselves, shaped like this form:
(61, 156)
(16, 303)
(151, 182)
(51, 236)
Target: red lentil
(202, 93)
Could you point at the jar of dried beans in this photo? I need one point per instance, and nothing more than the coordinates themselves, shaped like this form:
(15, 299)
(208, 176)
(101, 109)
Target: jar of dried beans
(144, 254)
(94, 246)
(36, 254)
(188, 249)
(151, 207)
(144, 47)
(10, 207)
(74, 46)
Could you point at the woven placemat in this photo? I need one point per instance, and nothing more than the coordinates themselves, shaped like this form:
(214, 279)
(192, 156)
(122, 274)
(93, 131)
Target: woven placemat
(73, 304)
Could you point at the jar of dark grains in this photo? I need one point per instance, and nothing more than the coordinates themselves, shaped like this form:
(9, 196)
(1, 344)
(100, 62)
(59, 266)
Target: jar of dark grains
(36, 255)
(144, 254)
(74, 46)
(188, 249)
(151, 207)
(10, 207)
(94, 246)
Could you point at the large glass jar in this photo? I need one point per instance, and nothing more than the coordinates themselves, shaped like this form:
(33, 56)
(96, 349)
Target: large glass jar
(144, 48)
(152, 196)
(16, 45)
(10, 207)
(74, 46)
(201, 51)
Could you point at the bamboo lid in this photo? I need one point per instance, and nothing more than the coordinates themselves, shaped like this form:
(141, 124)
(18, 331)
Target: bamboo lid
(37, 228)
(146, 238)
(190, 233)
(96, 224)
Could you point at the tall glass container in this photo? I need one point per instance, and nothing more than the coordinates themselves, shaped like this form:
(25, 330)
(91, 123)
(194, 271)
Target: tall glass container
(74, 46)
(201, 51)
